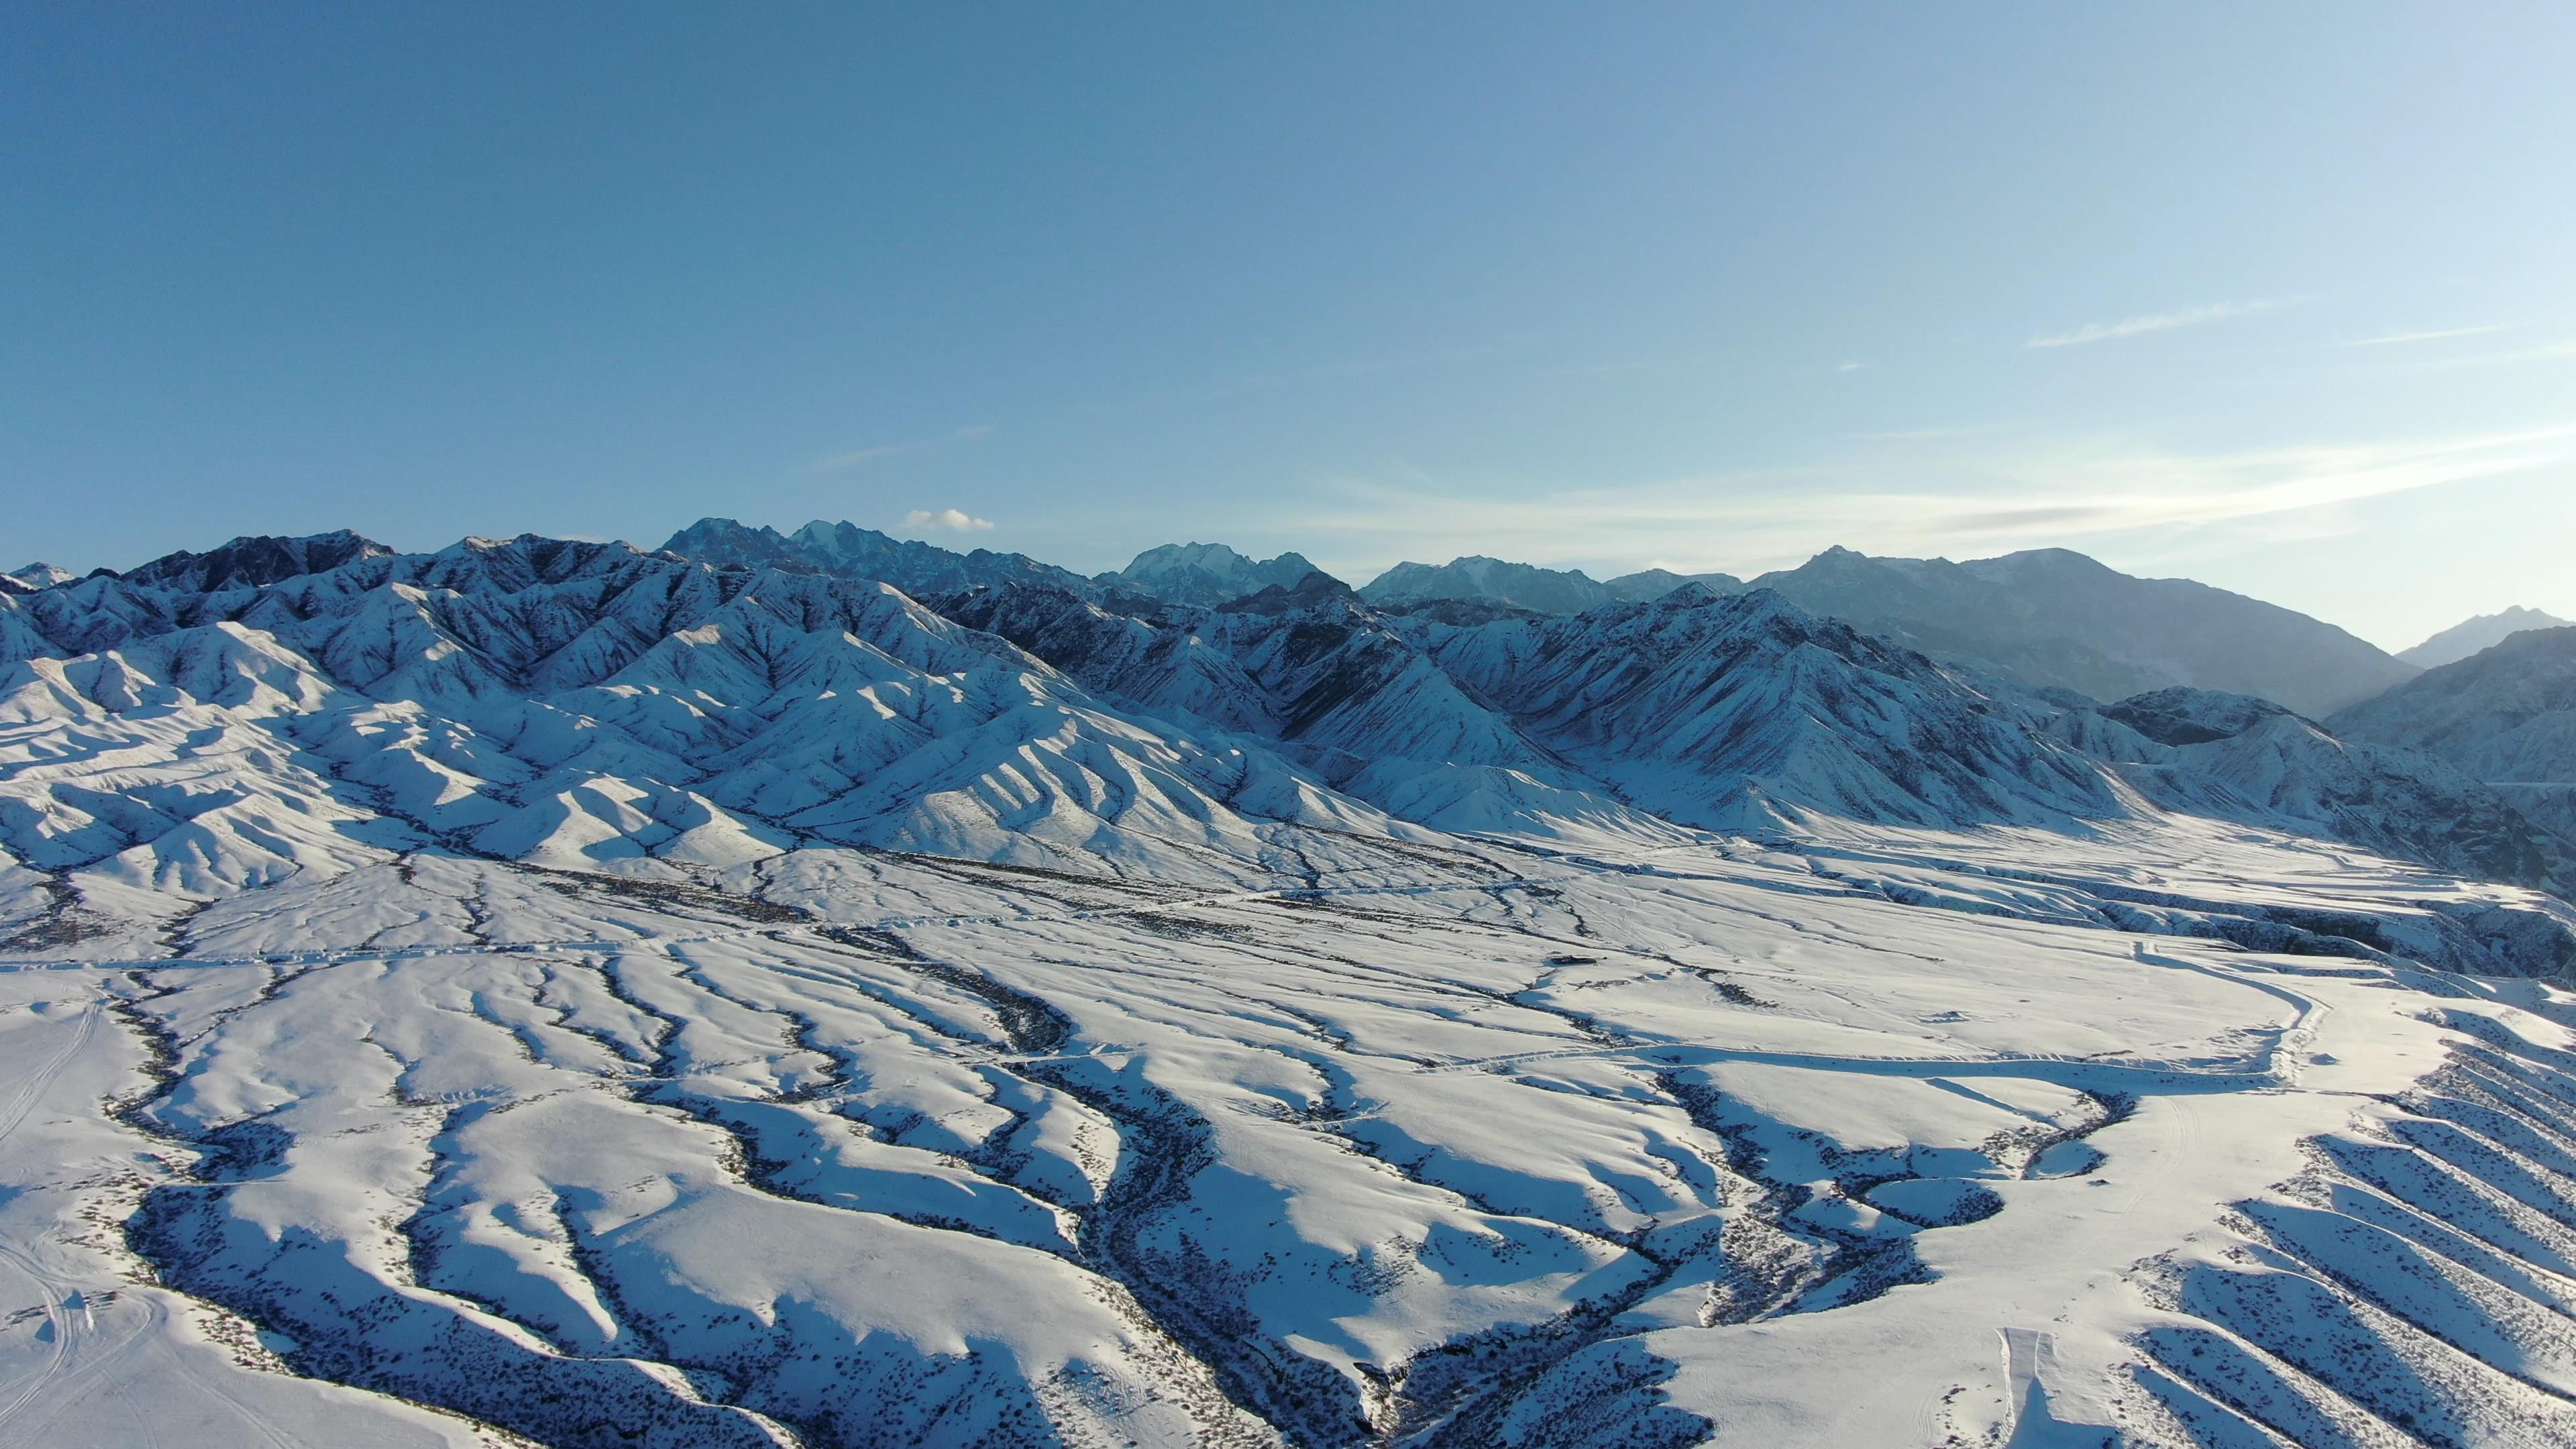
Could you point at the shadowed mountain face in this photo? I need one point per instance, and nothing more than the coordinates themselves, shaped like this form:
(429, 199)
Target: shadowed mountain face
(2231, 755)
(2506, 715)
(1739, 712)
(2055, 618)
(252, 560)
(848, 551)
(2474, 635)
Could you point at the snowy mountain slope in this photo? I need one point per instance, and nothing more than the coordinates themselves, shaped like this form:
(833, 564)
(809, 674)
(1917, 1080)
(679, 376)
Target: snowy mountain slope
(542, 992)
(254, 560)
(2288, 769)
(2052, 617)
(1746, 711)
(38, 576)
(583, 703)
(2506, 715)
(667, 715)
(1335, 684)
(2473, 636)
(848, 551)
(1710, 714)
(1205, 573)
(1675, 1146)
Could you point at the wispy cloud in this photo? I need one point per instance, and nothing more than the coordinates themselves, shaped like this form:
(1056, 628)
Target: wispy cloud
(2399, 339)
(2145, 323)
(1976, 493)
(953, 518)
(2538, 352)
(861, 457)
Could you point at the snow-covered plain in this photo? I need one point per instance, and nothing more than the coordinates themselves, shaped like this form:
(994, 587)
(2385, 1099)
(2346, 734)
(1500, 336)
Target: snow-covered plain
(625, 1004)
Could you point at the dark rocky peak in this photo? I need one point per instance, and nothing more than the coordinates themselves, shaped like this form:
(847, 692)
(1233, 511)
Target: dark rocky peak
(729, 544)
(2185, 716)
(1317, 590)
(253, 560)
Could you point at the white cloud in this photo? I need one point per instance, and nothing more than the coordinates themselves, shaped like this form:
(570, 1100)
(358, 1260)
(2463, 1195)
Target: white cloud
(2160, 322)
(958, 519)
(1965, 495)
(858, 457)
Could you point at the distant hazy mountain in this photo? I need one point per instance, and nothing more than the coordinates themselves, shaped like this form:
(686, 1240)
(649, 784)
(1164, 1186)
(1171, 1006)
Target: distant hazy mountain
(1491, 580)
(1205, 573)
(845, 550)
(2483, 632)
(2055, 618)
(1526, 586)
(1653, 584)
(2506, 715)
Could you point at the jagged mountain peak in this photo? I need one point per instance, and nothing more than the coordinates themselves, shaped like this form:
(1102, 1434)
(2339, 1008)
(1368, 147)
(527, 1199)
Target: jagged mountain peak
(846, 550)
(1315, 590)
(255, 559)
(1205, 573)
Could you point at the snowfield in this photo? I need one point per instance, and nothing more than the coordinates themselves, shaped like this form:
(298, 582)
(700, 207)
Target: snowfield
(541, 993)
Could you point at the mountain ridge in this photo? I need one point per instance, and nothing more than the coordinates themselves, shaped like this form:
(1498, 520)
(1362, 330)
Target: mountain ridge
(2472, 636)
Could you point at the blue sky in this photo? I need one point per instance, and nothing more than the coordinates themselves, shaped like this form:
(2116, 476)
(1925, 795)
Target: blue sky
(2275, 297)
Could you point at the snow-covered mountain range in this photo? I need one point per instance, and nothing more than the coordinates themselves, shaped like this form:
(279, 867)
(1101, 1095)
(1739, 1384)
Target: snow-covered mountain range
(815, 989)
(2047, 618)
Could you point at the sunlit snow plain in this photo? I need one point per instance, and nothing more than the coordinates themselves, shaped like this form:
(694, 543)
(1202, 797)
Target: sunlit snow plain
(600, 1115)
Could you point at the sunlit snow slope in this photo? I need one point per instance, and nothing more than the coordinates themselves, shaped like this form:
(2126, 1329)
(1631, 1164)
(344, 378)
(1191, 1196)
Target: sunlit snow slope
(541, 993)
